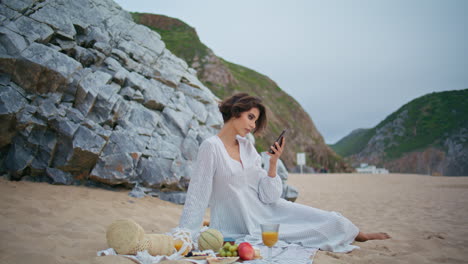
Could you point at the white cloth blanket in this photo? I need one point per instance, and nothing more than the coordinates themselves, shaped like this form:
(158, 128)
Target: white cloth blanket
(283, 253)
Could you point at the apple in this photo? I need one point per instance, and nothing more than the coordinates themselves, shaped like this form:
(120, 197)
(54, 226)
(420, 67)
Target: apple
(243, 244)
(246, 251)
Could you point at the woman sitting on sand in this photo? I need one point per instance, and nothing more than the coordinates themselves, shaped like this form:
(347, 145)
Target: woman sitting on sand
(228, 177)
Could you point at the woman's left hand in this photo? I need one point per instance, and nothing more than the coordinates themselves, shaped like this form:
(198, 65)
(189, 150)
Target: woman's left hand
(277, 150)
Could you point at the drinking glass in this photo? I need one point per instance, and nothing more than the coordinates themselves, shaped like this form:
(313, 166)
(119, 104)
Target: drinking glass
(269, 237)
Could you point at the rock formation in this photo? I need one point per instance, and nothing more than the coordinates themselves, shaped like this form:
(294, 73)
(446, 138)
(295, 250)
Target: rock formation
(88, 96)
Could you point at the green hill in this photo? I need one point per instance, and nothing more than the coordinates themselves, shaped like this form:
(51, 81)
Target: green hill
(354, 142)
(224, 78)
(436, 121)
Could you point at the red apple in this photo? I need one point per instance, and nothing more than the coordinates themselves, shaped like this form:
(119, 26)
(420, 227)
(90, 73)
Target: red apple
(243, 244)
(246, 251)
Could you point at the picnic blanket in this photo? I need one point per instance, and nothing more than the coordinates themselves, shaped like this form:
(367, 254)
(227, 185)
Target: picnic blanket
(283, 253)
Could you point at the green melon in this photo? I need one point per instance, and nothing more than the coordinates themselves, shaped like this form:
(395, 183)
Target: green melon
(210, 239)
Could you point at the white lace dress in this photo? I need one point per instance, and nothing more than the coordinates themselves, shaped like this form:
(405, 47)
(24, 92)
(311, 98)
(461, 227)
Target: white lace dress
(241, 196)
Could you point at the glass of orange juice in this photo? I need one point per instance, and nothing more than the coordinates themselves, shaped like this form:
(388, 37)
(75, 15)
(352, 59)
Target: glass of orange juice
(178, 244)
(269, 237)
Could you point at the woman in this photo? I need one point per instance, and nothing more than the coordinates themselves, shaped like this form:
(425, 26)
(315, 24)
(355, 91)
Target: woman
(228, 177)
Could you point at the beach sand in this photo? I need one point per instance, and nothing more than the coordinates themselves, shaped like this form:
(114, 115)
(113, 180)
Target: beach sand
(426, 216)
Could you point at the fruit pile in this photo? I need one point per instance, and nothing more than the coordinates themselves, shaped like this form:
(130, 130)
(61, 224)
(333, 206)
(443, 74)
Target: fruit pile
(244, 250)
(228, 250)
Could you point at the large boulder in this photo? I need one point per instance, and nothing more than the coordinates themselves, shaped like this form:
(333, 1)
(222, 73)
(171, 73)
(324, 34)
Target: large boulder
(87, 94)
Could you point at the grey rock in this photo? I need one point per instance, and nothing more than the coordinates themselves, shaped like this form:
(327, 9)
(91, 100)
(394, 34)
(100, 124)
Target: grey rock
(52, 15)
(42, 137)
(140, 191)
(11, 101)
(46, 108)
(140, 119)
(156, 173)
(87, 96)
(26, 117)
(137, 52)
(197, 107)
(120, 76)
(18, 5)
(157, 95)
(190, 145)
(86, 147)
(65, 45)
(103, 131)
(178, 102)
(178, 119)
(54, 67)
(63, 126)
(127, 92)
(138, 96)
(87, 140)
(182, 168)
(19, 156)
(84, 56)
(290, 193)
(104, 103)
(119, 142)
(173, 197)
(197, 93)
(114, 65)
(64, 153)
(171, 69)
(88, 90)
(116, 168)
(75, 115)
(95, 80)
(59, 177)
(146, 38)
(31, 29)
(8, 13)
(12, 44)
(214, 118)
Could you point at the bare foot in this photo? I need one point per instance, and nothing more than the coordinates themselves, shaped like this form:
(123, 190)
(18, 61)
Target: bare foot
(362, 237)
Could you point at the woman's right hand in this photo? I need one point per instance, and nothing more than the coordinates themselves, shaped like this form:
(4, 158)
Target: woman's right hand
(277, 151)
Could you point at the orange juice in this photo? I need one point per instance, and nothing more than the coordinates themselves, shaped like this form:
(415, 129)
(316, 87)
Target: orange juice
(178, 244)
(269, 238)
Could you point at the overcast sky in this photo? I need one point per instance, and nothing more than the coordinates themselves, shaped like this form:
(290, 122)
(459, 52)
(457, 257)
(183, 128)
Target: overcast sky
(348, 63)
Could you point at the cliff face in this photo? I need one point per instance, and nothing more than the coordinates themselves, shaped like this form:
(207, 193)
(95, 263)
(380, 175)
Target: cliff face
(225, 78)
(89, 97)
(429, 135)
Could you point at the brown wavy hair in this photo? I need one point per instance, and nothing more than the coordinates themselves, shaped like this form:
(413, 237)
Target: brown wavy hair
(238, 103)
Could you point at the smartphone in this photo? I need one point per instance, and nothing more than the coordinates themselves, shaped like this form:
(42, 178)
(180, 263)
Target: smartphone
(279, 140)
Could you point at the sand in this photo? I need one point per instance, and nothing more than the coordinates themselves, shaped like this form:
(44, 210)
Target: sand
(426, 216)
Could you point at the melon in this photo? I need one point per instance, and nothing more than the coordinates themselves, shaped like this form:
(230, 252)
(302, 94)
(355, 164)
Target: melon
(160, 244)
(124, 236)
(210, 239)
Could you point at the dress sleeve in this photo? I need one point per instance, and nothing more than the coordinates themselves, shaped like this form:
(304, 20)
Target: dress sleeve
(269, 189)
(199, 191)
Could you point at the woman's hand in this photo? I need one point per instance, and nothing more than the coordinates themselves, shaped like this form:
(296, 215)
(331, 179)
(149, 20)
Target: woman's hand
(277, 151)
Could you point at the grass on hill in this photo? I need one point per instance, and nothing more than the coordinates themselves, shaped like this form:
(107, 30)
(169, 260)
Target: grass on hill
(431, 118)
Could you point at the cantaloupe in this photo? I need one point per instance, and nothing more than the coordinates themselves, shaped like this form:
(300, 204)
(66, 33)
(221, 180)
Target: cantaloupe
(210, 239)
(124, 236)
(160, 244)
